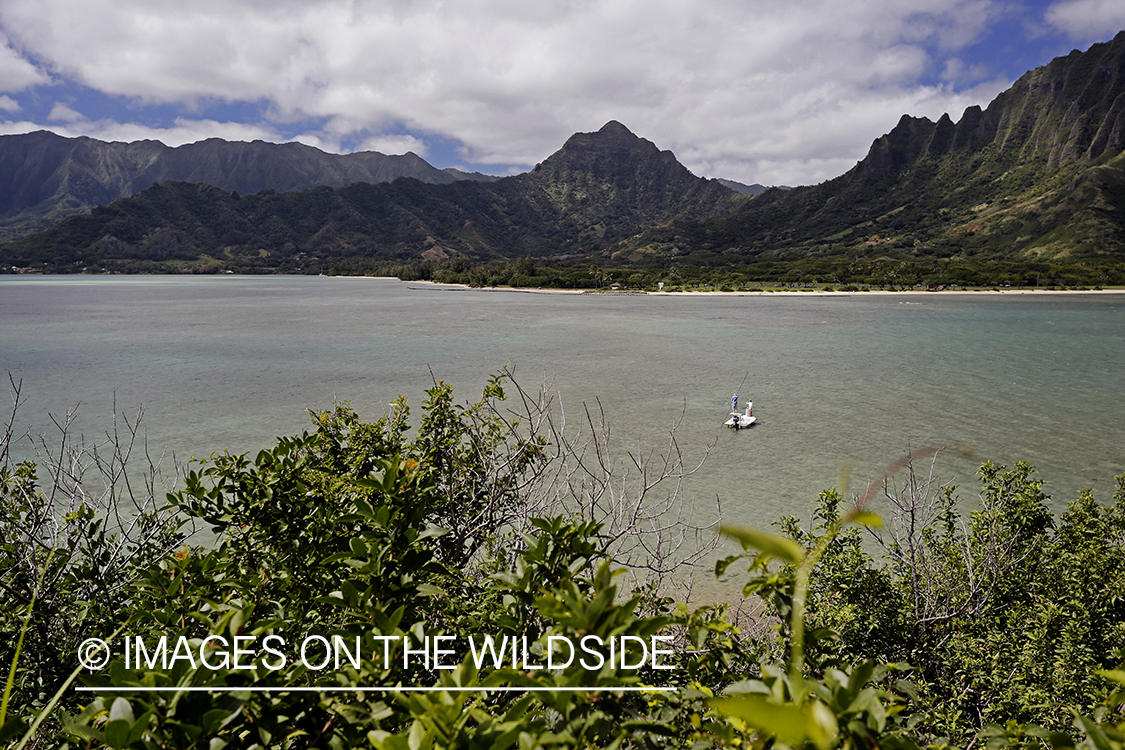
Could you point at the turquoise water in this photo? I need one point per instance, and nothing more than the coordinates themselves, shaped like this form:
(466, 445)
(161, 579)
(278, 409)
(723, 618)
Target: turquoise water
(230, 362)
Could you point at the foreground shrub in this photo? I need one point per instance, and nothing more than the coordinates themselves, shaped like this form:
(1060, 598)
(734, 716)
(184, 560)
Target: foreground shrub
(392, 550)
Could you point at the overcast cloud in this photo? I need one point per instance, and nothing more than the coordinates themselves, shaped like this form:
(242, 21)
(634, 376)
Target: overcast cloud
(754, 90)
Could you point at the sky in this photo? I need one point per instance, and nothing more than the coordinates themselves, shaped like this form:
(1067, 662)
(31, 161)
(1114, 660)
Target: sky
(777, 92)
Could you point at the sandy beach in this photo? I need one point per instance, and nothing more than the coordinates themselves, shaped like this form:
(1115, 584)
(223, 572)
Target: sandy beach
(775, 293)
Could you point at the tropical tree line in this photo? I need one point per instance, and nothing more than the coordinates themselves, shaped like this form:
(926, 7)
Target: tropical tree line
(899, 617)
(836, 271)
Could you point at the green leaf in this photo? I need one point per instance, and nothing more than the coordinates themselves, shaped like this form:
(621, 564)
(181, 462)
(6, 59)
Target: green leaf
(780, 547)
(722, 565)
(791, 724)
(1094, 733)
(121, 709)
(237, 620)
(214, 719)
(117, 732)
(11, 728)
(867, 518)
(1060, 740)
(650, 727)
(1117, 675)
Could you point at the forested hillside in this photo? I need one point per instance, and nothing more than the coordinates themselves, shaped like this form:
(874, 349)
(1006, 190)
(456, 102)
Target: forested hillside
(1037, 175)
(599, 188)
(45, 178)
(1030, 188)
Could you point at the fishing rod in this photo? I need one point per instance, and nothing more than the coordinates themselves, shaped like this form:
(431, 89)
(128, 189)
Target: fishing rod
(743, 381)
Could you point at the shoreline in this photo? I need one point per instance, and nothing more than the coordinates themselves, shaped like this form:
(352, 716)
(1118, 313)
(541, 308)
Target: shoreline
(453, 287)
(441, 286)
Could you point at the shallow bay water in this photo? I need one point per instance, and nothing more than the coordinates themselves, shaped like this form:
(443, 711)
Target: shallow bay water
(227, 363)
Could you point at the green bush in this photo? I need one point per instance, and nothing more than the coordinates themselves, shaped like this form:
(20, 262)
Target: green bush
(1000, 626)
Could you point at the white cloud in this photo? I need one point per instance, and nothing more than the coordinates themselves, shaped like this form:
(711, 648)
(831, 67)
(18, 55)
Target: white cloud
(16, 73)
(1087, 20)
(15, 127)
(62, 113)
(956, 70)
(183, 131)
(755, 90)
(8, 104)
(393, 144)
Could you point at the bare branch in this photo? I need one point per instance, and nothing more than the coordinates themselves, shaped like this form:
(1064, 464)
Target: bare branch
(99, 505)
(652, 527)
(953, 571)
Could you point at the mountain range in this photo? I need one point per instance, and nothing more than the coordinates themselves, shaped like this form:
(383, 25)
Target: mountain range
(599, 188)
(1038, 175)
(45, 178)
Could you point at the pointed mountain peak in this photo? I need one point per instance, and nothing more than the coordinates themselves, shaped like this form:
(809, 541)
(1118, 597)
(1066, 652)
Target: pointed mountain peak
(612, 134)
(612, 141)
(613, 126)
(614, 167)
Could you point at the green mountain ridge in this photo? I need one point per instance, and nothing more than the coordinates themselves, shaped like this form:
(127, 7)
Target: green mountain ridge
(599, 188)
(45, 178)
(740, 187)
(1038, 174)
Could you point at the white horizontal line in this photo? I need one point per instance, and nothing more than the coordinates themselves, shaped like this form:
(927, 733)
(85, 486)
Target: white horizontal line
(230, 689)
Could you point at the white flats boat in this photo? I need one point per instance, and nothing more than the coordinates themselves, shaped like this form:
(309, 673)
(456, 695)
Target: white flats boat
(738, 420)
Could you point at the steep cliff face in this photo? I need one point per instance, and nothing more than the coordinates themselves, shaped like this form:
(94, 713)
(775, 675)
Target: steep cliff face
(1035, 174)
(1071, 109)
(45, 175)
